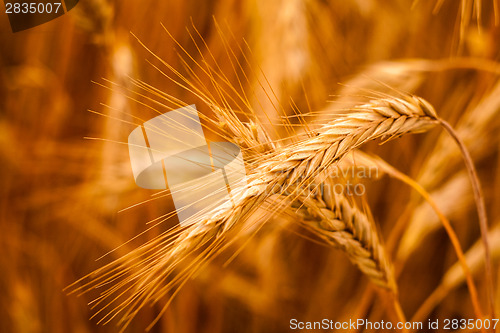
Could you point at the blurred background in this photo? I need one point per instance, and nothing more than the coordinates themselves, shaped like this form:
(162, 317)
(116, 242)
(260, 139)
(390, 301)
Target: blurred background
(61, 194)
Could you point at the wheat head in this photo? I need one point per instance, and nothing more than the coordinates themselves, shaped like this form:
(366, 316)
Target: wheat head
(164, 264)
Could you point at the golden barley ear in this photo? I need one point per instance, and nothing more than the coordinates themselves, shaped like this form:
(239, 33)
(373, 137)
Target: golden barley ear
(163, 265)
(339, 222)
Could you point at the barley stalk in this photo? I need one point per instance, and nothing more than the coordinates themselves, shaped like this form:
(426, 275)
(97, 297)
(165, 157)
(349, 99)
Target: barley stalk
(341, 222)
(383, 118)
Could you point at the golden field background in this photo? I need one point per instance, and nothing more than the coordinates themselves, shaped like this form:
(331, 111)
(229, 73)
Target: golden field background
(60, 194)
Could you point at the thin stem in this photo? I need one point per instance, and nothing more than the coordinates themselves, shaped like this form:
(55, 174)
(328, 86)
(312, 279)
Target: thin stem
(399, 311)
(451, 234)
(481, 211)
(429, 304)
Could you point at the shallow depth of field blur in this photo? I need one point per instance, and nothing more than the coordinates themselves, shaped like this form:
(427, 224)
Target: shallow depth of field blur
(60, 194)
